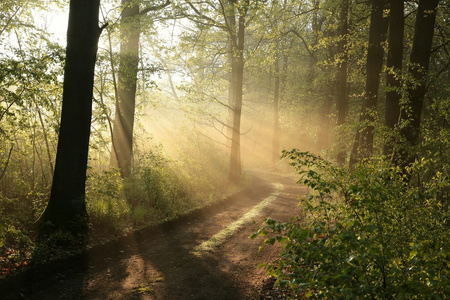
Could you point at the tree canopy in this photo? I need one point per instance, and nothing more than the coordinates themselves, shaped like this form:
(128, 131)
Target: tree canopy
(177, 100)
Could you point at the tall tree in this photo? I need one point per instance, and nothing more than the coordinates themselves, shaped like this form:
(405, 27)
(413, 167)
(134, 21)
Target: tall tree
(394, 68)
(411, 111)
(363, 144)
(66, 208)
(230, 16)
(341, 93)
(276, 103)
(237, 71)
(122, 134)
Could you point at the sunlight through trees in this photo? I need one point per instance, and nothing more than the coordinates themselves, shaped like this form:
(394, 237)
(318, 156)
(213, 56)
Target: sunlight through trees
(144, 110)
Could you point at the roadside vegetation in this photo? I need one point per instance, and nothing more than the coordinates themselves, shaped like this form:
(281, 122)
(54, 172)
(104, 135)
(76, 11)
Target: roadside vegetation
(142, 110)
(365, 233)
(160, 189)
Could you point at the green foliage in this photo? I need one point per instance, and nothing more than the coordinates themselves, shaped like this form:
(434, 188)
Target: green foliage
(15, 248)
(152, 185)
(367, 233)
(105, 205)
(58, 245)
(161, 188)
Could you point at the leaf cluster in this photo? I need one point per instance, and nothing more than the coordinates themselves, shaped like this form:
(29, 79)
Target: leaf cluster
(369, 234)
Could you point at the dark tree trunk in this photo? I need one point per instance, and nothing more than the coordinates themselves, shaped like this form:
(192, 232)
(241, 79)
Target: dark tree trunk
(122, 153)
(394, 67)
(66, 208)
(238, 81)
(419, 62)
(363, 148)
(342, 98)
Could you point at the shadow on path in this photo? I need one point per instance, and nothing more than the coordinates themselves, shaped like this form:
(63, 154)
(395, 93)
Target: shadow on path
(159, 263)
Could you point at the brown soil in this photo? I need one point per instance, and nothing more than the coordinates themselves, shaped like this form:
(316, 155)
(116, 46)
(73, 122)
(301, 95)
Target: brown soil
(160, 262)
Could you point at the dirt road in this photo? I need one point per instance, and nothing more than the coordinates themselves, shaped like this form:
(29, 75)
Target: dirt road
(205, 255)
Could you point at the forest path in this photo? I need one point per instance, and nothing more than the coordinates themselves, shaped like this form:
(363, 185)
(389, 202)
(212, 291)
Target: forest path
(205, 255)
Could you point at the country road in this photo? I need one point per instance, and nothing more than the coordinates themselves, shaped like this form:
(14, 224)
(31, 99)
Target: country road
(204, 255)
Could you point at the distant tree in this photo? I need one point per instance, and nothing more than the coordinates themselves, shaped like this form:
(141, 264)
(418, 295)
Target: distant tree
(122, 134)
(66, 208)
(237, 70)
(276, 110)
(342, 65)
(230, 17)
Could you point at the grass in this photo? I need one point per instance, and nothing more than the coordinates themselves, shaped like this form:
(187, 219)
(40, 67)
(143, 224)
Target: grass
(220, 237)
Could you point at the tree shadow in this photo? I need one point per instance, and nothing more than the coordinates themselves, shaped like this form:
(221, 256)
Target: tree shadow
(152, 263)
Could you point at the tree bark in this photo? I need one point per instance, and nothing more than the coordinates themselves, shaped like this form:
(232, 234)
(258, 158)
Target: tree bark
(231, 24)
(66, 208)
(363, 148)
(238, 81)
(122, 135)
(394, 69)
(312, 62)
(122, 154)
(276, 125)
(341, 93)
(411, 112)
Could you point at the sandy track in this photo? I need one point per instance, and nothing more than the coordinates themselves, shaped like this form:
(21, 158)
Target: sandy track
(205, 255)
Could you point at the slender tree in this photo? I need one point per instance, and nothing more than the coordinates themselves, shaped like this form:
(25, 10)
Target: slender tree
(230, 16)
(276, 104)
(237, 71)
(66, 208)
(341, 93)
(394, 68)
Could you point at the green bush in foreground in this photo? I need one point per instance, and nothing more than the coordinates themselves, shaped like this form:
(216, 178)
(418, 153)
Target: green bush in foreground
(367, 233)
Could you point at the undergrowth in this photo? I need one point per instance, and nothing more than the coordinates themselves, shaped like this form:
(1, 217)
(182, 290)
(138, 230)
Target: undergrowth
(368, 233)
(159, 189)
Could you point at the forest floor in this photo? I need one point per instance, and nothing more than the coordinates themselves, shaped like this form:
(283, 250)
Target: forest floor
(204, 255)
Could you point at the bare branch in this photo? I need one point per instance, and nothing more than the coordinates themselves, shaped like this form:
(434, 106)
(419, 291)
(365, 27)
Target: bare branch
(304, 42)
(210, 138)
(9, 21)
(154, 8)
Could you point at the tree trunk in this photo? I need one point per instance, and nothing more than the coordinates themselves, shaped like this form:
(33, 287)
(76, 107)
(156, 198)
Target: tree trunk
(323, 141)
(122, 154)
(231, 20)
(66, 208)
(276, 127)
(394, 69)
(418, 68)
(375, 53)
(238, 81)
(341, 97)
(312, 63)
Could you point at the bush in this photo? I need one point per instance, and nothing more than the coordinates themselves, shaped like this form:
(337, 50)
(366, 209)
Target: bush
(15, 248)
(154, 187)
(367, 233)
(106, 206)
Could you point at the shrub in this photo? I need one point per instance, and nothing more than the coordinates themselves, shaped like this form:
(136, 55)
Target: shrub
(106, 206)
(153, 187)
(367, 233)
